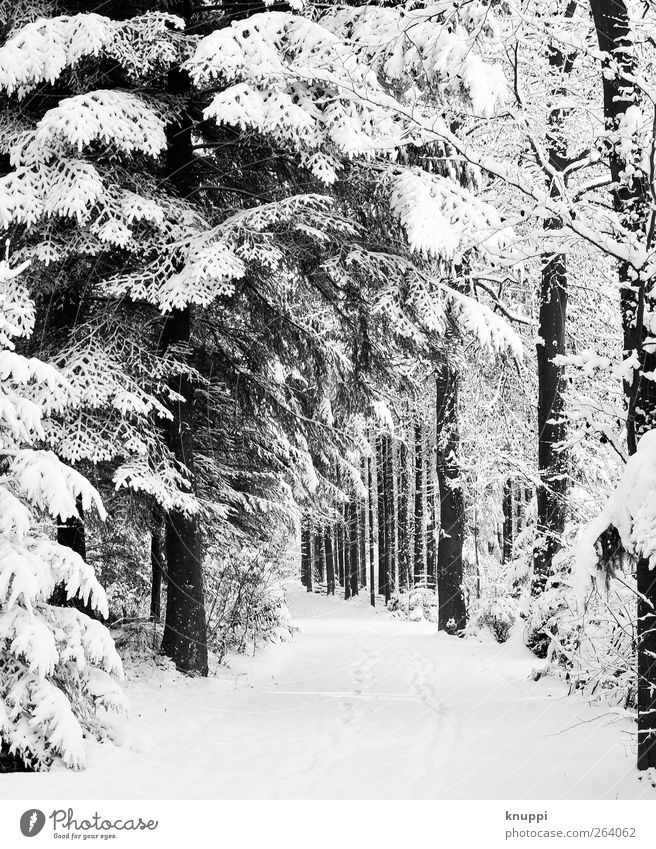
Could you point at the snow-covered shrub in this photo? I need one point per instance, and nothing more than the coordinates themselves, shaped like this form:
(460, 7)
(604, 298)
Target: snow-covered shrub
(58, 667)
(551, 631)
(496, 613)
(415, 604)
(590, 644)
(246, 601)
(491, 590)
(588, 640)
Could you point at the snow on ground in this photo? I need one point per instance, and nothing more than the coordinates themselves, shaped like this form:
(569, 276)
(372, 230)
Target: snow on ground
(357, 705)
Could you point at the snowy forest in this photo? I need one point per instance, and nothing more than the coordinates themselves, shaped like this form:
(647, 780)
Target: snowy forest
(328, 398)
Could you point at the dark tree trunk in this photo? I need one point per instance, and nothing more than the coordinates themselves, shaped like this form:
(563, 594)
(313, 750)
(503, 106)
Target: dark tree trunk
(452, 615)
(72, 534)
(348, 550)
(330, 561)
(185, 635)
(630, 195)
(552, 462)
(340, 552)
(354, 546)
(156, 567)
(319, 555)
(507, 539)
(382, 524)
(646, 579)
(390, 519)
(552, 330)
(402, 517)
(312, 557)
(362, 528)
(184, 639)
(612, 23)
(372, 547)
(419, 508)
(306, 563)
(431, 549)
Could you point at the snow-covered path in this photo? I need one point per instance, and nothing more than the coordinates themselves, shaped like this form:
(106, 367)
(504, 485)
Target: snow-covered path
(358, 705)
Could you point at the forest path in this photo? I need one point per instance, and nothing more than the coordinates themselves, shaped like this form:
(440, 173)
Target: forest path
(358, 705)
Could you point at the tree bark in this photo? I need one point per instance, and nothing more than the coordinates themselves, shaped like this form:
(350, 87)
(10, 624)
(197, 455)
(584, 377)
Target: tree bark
(185, 634)
(552, 461)
(319, 555)
(419, 508)
(330, 561)
(354, 546)
(612, 24)
(630, 200)
(339, 532)
(388, 483)
(72, 534)
(552, 332)
(156, 567)
(402, 518)
(348, 551)
(646, 579)
(507, 539)
(306, 554)
(431, 548)
(452, 614)
(362, 528)
(382, 524)
(372, 547)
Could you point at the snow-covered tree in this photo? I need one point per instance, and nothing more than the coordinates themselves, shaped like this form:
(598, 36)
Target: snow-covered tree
(59, 669)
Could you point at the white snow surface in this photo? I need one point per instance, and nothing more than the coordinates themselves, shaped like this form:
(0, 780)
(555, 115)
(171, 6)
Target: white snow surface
(358, 705)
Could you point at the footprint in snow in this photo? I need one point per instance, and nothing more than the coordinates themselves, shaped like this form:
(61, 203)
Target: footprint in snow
(363, 675)
(443, 730)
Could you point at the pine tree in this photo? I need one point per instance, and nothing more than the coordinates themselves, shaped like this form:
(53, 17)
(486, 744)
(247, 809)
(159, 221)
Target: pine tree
(58, 666)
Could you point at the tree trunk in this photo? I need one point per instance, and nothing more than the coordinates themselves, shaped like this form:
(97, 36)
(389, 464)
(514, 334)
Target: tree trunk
(339, 532)
(419, 508)
(156, 564)
(402, 517)
(348, 551)
(185, 632)
(319, 555)
(452, 614)
(306, 554)
(507, 540)
(552, 460)
(72, 534)
(646, 579)
(330, 561)
(630, 195)
(382, 526)
(431, 548)
(372, 547)
(354, 546)
(362, 528)
(388, 484)
(612, 23)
